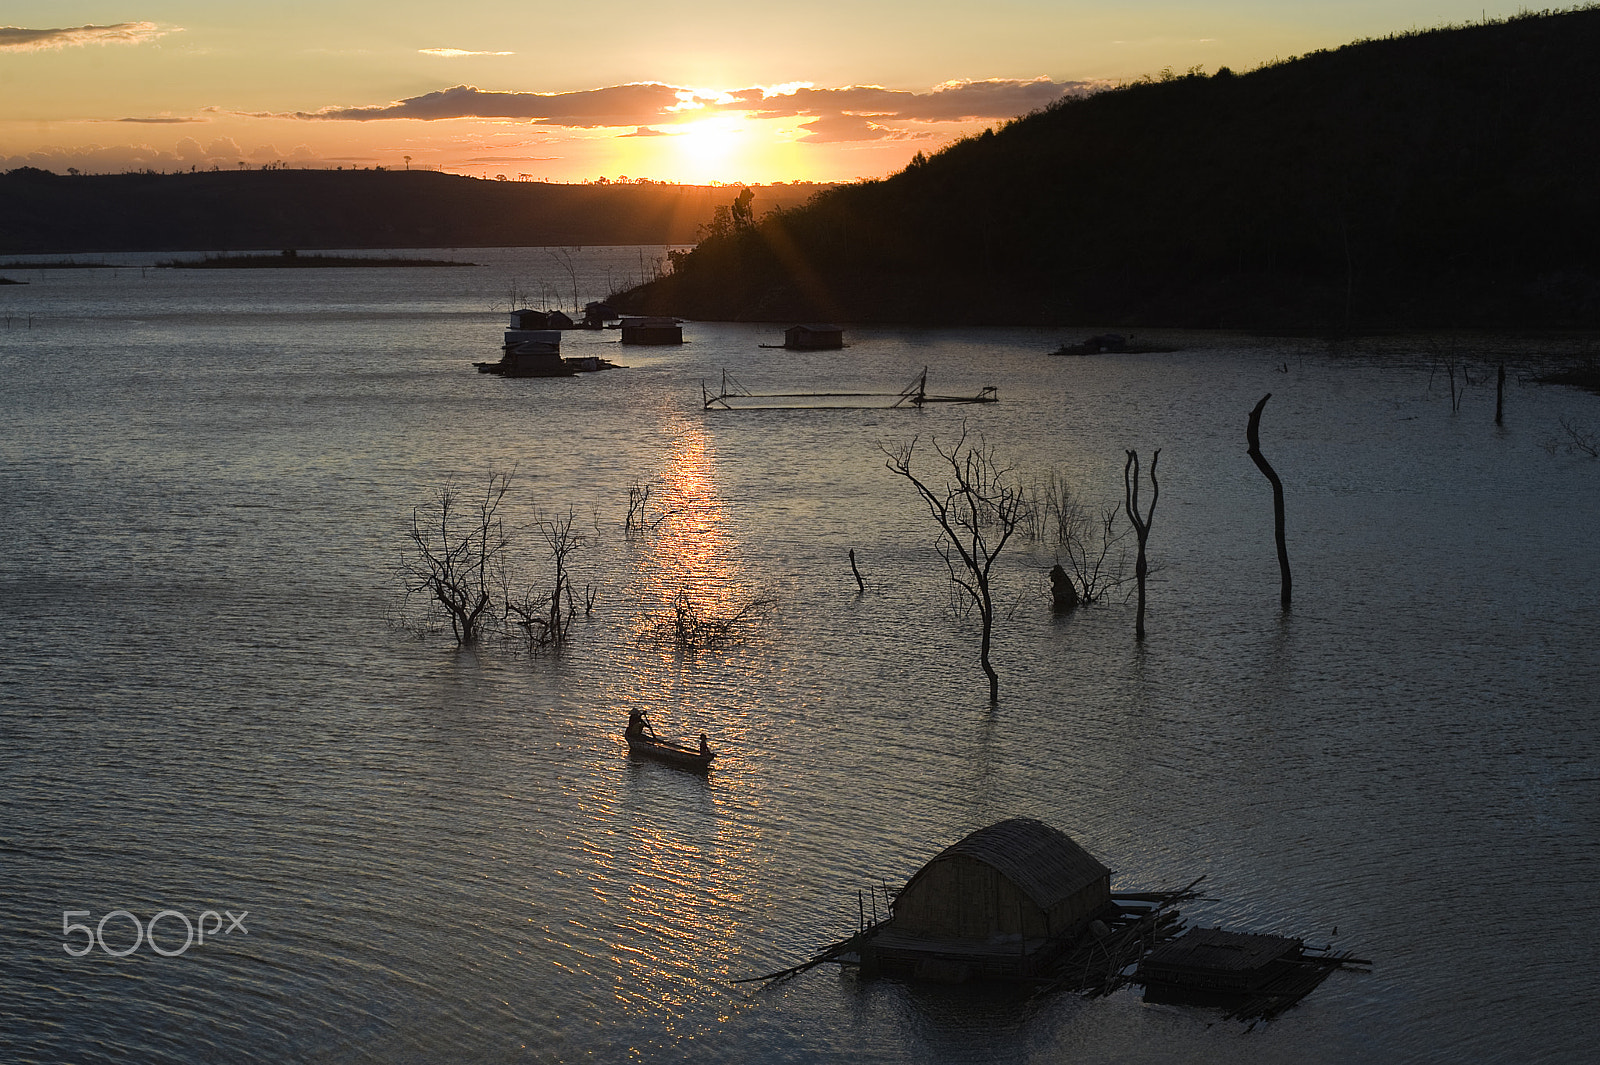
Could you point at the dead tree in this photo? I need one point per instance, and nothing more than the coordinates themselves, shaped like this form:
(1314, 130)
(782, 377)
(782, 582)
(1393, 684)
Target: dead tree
(546, 617)
(1141, 522)
(692, 627)
(1088, 544)
(1253, 436)
(459, 547)
(977, 509)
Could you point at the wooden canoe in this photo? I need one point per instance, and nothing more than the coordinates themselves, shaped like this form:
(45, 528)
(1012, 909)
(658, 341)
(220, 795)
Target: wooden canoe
(671, 753)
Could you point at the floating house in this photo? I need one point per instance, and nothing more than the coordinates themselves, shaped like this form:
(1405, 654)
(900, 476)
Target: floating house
(532, 349)
(526, 318)
(813, 337)
(652, 331)
(597, 313)
(530, 353)
(1003, 903)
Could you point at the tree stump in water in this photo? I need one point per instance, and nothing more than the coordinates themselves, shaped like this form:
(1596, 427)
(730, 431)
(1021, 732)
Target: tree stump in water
(1063, 594)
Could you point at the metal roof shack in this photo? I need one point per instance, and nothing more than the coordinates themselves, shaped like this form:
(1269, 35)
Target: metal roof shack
(531, 319)
(652, 331)
(813, 337)
(1002, 903)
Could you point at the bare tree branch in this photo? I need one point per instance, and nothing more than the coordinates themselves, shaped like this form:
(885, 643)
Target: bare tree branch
(978, 508)
(1141, 522)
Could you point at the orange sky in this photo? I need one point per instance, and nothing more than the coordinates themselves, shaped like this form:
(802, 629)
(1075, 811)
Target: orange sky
(716, 92)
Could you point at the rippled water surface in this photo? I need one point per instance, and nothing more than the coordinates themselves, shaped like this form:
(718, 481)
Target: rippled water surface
(448, 856)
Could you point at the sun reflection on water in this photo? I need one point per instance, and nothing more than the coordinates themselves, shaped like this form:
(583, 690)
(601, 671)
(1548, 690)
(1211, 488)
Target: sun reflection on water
(692, 554)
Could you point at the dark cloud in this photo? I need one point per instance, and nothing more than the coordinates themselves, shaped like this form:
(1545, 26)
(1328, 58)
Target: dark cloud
(17, 39)
(617, 105)
(646, 103)
(990, 99)
(963, 101)
(162, 121)
(835, 129)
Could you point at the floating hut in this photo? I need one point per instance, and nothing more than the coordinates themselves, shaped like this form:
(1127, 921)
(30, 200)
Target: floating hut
(530, 353)
(526, 318)
(1020, 901)
(596, 314)
(652, 331)
(1004, 902)
(532, 349)
(813, 337)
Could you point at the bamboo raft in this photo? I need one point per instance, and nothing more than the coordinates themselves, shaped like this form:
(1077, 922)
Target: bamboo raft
(734, 396)
(1254, 977)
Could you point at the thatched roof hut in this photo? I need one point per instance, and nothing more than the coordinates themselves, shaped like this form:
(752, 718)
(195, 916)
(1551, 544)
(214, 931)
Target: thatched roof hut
(998, 902)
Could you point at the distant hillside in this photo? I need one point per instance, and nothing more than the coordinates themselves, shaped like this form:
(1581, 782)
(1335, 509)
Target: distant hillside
(276, 209)
(1446, 178)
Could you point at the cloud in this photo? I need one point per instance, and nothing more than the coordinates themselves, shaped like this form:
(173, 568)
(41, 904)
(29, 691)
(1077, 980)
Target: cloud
(161, 121)
(617, 105)
(642, 104)
(456, 53)
(836, 129)
(646, 131)
(963, 101)
(17, 39)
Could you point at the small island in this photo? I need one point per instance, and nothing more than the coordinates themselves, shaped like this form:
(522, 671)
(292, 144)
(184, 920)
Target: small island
(60, 264)
(293, 260)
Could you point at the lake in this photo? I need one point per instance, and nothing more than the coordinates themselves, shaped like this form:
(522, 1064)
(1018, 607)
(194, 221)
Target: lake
(441, 855)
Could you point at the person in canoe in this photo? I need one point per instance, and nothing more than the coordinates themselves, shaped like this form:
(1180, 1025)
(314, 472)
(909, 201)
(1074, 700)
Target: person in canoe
(636, 723)
(705, 748)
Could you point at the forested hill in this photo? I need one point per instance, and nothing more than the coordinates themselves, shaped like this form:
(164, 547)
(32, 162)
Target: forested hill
(281, 208)
(1445, 178)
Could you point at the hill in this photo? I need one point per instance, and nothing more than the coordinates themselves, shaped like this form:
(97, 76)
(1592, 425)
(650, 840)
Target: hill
(1443, 178)
(42, 212)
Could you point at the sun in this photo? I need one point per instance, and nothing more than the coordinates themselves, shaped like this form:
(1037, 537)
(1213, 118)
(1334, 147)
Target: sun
(710, 149)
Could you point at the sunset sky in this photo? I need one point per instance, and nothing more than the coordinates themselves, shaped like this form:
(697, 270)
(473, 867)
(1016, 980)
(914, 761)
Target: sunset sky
(713, 91)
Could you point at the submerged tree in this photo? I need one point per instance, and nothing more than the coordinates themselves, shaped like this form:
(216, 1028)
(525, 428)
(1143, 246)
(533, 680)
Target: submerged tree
(460, 563)
(978, 508)
(459, 545)
(545, 616)
(1141, 522)
(693, 626)
(1089, 548)
(1253, 437)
